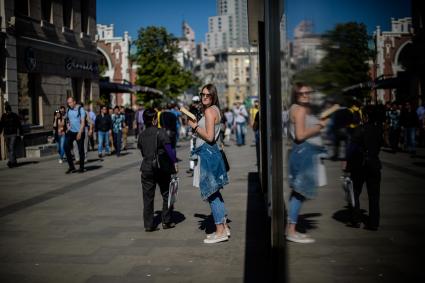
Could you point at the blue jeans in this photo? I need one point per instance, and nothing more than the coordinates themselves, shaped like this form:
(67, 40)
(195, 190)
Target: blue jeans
(410, 136)
(295, 202)
(217, 208)
(240, 133)
(117, 142)
(103, 137)
(61, 146)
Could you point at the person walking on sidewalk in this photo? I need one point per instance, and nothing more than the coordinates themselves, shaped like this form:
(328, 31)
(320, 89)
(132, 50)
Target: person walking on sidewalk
(118, 123)
(304, 130)
(409, 123)
(59, 128)
(76, 121)
(88, 132)
(11, 127)
(364, 165)
(210, 174)
(103, 127)
(155, 146)
(240, 121)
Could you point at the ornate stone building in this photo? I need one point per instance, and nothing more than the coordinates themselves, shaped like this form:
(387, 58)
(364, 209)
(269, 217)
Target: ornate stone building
(392, 53)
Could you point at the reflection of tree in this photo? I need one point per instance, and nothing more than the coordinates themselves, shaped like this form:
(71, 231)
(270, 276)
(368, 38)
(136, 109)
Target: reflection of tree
(345, 63)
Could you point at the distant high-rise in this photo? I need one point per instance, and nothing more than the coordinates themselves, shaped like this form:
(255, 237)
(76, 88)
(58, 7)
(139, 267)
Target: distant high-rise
(229, 29)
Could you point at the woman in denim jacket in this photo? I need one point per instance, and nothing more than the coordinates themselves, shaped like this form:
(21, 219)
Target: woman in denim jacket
(307, 144)
(210, 174)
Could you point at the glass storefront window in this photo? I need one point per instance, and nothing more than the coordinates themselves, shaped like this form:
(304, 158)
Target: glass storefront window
(28, 106)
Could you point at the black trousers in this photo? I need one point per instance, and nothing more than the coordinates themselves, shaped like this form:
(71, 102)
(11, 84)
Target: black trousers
(149, 181)
(371, 175)
(70, 137)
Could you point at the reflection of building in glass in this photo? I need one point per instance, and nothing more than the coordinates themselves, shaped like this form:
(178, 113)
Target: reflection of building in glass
(392, 55)
(187, 53)
(51, 54)
(307, 48)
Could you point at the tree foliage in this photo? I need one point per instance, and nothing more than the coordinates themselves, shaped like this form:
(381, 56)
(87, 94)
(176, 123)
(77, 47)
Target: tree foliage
(156, 56)
(345, 62)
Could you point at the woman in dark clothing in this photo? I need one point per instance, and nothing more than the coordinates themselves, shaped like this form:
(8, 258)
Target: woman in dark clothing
(365, 167)
(156, 148)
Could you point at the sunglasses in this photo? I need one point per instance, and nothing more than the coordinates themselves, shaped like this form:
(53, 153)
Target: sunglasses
(205, 94)
(305, 92)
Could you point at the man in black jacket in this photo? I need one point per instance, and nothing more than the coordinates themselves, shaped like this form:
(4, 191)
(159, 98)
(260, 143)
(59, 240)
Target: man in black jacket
(365, 167)
(10, 125)
(103, 127)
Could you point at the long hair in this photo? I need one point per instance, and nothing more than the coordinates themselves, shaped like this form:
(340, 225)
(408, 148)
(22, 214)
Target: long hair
(213, 92)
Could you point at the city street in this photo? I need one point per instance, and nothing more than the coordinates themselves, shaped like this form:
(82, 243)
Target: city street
(88, 227)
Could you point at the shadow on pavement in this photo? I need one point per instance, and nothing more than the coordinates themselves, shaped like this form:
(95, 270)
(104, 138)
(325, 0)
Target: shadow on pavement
(26, 163)
(93, 160)
(419, 164)
(92, 167)
(344, 215)
(305, 222)
(206, 223)
(177, 217)
(257, 238)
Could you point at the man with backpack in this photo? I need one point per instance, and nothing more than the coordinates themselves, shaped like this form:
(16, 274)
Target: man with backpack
(10, 126)
(76, 117)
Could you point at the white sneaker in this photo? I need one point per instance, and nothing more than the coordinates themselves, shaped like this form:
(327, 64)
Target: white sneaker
(216, 239)
(300, 238)
(60, 161)
(212, 234)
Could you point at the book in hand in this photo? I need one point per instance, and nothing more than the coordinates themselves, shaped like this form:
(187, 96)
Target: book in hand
(328, 112)
(188, 113)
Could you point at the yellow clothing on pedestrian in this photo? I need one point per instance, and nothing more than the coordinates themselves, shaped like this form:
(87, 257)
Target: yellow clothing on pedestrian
(354, 109)
(252, 112)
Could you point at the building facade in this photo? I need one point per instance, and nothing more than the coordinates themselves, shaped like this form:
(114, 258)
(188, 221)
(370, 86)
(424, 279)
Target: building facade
(115, 62)
(392, 51)
(307, 49)
(51, 54)
(229, 29)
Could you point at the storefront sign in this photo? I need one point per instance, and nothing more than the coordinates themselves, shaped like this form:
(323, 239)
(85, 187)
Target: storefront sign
(72, 64)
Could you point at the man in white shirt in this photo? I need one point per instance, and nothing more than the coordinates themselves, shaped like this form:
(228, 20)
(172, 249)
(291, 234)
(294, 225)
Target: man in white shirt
(241, 116)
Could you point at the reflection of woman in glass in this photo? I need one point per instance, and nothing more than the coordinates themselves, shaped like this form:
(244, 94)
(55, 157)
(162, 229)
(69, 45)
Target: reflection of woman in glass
(304, 129)
(59, 128)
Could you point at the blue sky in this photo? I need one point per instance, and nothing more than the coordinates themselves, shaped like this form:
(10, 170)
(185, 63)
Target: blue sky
(130, 15)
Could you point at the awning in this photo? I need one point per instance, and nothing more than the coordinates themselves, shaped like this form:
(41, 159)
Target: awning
(110, 87)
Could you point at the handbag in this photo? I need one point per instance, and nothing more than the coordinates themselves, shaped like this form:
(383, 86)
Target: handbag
(224, 157)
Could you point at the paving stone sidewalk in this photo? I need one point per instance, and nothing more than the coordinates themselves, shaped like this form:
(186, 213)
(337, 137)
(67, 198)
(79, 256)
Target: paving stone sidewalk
(88, 227)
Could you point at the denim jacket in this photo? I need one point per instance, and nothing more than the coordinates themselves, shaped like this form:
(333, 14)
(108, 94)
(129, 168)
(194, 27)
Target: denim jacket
(303, 168)
(213, 175)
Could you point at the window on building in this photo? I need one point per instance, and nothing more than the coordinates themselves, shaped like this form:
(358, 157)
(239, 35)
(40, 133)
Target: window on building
(22, 7)
(28, 98)
(76, 89)
(87, 91)
(84, 12)
(46, 10)
(67, 14)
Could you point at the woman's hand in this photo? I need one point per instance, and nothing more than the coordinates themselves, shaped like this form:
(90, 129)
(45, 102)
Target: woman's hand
(323, 123)
(192, 123)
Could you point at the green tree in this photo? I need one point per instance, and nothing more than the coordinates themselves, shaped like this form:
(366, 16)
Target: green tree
(156, 56)
(345, 62)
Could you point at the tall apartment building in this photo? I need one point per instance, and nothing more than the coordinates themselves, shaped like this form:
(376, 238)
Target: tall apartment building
(229, 29)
